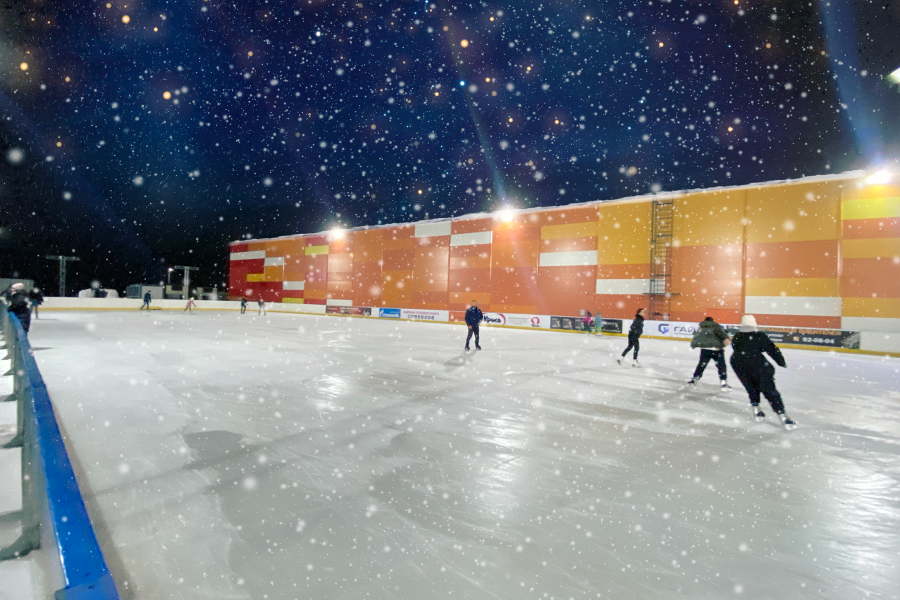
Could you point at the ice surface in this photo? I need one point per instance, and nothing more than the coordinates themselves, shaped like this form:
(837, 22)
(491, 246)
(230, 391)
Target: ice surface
(228, 456)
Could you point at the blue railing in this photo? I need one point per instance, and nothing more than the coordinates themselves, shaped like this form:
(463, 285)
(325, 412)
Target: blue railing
(53, 513)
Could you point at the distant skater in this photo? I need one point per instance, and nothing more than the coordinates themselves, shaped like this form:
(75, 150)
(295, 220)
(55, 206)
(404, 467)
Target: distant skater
(634, 337)
(37, 298)
(711, 338)
(598, 323)
(588, 322)
(189, 307)
(473, 319)
(262, 307)
(755, 372)
(243, 304)
(146, 304)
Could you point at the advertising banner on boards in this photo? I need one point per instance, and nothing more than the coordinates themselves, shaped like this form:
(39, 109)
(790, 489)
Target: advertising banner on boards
(517, 320)
(828, 338)
(418, 314)
(389, 313)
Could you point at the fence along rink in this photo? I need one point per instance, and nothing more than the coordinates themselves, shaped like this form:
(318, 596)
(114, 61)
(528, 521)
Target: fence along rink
(54, 517)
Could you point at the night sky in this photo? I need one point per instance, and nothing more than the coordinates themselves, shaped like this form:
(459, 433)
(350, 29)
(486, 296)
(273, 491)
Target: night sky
(142, 134)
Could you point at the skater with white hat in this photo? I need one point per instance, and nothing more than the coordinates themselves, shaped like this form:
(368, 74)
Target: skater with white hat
(755, 372)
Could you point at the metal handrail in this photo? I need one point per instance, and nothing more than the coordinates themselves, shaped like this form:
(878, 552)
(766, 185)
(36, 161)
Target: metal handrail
(53, 513)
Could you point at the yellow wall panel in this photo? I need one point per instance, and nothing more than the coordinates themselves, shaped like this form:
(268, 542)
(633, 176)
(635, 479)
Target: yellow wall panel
(794, 212)
(884, 308)
(884, 248)
(313, 250)
(255, 277)
(623, 235)
(709, 218)
(573, 230)
(871, 208)
(811, 287)
(292, 300)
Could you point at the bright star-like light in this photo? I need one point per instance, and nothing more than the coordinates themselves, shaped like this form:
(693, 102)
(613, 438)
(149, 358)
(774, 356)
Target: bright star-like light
(881, 177)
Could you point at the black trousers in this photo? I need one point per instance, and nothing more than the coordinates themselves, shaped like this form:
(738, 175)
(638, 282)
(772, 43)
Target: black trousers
(634, 341)
(474, 329)
(757, 383)
(708, 355)
(243, 309)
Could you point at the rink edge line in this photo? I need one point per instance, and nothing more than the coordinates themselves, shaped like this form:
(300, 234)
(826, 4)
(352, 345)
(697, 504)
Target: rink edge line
(645, 337)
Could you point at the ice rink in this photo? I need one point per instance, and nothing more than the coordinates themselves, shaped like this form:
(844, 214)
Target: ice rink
(226, 456)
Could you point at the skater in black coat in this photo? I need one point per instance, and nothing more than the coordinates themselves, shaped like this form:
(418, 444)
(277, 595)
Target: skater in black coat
(473, 319)
(755, 372)
(634, 337)
(711, 339)
(17, 298)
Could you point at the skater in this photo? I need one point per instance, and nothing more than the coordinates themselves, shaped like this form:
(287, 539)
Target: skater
(37, 298)
(711, 339)
(634, 337)
(589, 322)
(598, 322)
(17, 299)
(243, 304)
(189, 307)
(147, 298)
(473, 318)
(262, 307)
(755, 372)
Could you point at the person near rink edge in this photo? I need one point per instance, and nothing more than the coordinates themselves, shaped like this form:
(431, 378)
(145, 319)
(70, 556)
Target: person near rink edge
(473, 319)
(17, 298)
(37, 298)
(147, 298)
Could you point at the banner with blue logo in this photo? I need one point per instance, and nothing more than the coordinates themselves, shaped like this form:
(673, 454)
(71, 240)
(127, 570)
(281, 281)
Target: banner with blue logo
(389, 313)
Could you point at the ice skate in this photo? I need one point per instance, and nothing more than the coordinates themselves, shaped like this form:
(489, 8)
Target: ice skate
(788, 423)
(758, 414)
(692, 380)
(636, 364)
(467, 348)
(619, 360)
(725, 385)
(477, 347)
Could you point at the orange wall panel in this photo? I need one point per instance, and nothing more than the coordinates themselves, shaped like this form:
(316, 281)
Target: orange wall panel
(569, 245)
(471, 225)
(524, 254)
(792, 259)
(870, 278)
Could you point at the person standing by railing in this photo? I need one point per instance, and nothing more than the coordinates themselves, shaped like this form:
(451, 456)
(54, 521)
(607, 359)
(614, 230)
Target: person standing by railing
(17, 298)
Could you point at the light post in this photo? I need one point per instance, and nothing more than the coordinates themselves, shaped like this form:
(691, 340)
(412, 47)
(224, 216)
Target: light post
(62, 270)
(187, 279)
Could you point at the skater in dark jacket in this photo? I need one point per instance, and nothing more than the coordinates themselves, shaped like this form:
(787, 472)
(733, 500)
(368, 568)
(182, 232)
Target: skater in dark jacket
(17, 298)
(634, 337)
(711, 338)
(755, 372)
(243, 304)
(147, 298)
(473, 319)
(37, 298)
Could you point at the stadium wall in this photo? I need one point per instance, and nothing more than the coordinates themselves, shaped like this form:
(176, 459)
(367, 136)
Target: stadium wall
(818, 252)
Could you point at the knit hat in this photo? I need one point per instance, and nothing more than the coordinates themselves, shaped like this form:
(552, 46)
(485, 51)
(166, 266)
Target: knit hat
(19, 287)
(748, 323)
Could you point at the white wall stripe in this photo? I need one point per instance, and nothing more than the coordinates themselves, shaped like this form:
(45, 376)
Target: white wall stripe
(797, 305)
(292, 285)
(337, 302)
(470, 239)
(251, 255)
(274, 261)
(870, 324)
(569, 259)
(433, 229)
(623, 286)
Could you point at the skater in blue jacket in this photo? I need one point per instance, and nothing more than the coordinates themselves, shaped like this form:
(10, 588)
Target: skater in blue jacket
(473, 319)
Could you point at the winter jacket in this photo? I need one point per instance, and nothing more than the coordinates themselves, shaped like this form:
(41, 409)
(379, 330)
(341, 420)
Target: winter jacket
(147, 298)
(18, 305)
(36, 297)
(637, 327)
(748, 359)
(710, 336)
(474, 316)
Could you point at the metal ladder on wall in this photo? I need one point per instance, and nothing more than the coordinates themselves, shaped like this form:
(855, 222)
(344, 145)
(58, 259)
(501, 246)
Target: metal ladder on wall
(661, 259)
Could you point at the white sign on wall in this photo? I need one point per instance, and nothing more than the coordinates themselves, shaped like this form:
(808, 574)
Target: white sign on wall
(517, 320)
(425, 315)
